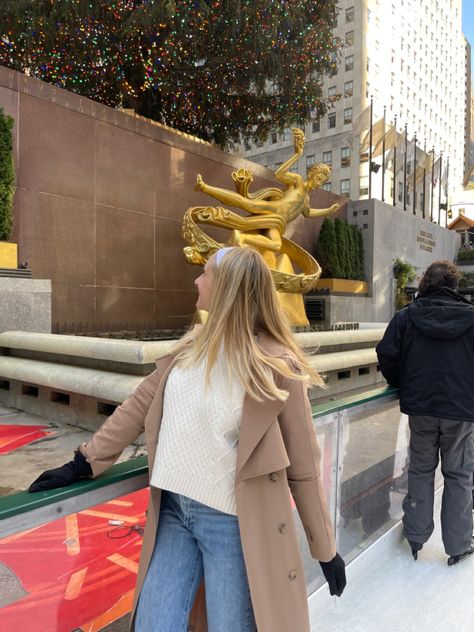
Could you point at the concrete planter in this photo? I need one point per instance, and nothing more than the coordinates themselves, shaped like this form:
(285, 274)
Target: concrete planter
(343, 286)
(8, 255)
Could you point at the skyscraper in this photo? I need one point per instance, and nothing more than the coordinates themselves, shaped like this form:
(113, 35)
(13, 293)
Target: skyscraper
(409, 57)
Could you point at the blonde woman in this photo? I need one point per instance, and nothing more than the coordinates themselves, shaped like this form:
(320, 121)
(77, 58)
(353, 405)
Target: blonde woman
(228, 429)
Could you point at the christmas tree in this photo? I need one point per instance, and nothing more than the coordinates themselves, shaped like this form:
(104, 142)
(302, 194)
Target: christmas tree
(222, 70)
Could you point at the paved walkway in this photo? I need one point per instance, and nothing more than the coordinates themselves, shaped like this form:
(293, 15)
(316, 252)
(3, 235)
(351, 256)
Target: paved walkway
(20, 467)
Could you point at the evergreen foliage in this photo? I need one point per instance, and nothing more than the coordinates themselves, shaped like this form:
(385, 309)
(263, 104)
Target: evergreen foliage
(7, 175)
(404, 274)
(218, 69)
(466, 254)
(327, 250)
(361, 265)
(340, 250)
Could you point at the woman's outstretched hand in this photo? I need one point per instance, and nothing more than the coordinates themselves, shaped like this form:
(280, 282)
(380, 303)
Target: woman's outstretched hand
(335, 574)
(62, 476)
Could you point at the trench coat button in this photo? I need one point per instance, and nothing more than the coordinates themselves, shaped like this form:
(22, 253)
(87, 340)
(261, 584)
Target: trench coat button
(292, 575)
(283, 527)
(273, 477)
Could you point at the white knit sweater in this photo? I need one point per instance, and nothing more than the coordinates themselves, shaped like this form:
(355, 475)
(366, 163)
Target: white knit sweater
(197, 447)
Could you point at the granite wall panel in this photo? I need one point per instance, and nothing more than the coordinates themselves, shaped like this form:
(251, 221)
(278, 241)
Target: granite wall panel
(99, 205)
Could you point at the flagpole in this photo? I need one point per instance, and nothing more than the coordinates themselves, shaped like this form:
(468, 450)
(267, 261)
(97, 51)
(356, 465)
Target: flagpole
(447, 188)
(414, 178)
(370, 146)
(424, 180)
(395, 162)
(439, 182)
(383, 154)
(405, 170)
(432, 184)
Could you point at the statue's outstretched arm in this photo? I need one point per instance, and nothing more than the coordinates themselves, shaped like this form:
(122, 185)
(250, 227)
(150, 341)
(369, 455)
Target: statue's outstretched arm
(282, 173)
(320, 212)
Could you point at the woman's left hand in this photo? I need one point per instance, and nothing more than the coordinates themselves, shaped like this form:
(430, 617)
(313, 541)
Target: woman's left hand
(335, 574)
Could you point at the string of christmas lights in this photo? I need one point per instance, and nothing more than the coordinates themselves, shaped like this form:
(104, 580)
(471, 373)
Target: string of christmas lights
(218, 69)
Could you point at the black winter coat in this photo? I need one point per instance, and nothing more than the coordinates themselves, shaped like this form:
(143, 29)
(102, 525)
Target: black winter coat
(428, 351)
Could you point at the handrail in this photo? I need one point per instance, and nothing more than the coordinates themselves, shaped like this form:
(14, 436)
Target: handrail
(327, 408)
(88, 492)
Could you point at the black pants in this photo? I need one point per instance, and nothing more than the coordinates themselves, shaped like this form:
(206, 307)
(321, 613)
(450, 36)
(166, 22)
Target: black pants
(454, 441)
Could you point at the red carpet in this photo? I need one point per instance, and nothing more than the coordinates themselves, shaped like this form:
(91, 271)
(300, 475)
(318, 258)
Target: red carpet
(76, 574)
(14, 436)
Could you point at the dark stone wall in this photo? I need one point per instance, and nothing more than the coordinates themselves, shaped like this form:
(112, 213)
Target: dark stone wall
(99, 203)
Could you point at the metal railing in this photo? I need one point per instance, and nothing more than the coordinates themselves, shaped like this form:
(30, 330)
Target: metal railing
(363, 441)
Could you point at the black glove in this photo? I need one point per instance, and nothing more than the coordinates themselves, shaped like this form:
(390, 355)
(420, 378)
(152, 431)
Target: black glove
(335, 574)
(62, 476)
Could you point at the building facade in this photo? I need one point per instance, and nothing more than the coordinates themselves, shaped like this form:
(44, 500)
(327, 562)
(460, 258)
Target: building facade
(410, 58)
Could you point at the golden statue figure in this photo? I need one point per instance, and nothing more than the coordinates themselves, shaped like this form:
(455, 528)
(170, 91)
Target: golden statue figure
(271, 209)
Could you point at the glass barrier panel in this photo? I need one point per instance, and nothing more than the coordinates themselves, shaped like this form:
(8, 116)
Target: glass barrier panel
(75, 573)
(373, 452)
(326, 428)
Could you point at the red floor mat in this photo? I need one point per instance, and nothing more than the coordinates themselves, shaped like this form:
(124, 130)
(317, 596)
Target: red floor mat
(14, 436)
(79, 571)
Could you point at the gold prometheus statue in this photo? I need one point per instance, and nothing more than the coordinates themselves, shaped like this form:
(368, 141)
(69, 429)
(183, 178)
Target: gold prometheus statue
(271, 209)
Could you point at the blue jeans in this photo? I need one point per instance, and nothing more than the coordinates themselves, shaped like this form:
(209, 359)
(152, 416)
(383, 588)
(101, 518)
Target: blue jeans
(193, 541)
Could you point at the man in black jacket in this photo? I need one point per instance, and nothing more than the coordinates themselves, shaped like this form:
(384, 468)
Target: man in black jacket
(428, 352)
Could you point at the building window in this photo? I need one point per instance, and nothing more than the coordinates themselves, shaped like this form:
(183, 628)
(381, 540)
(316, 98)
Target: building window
(349, 40)
(326, 186)
(400, 191)
(347, 116)
(273, 137)
(332, 91)
(327, 157)
(316, 126)
(247, 144)
(331, 121)
(364, 186)
(310, 160)
(286, 134)
(348, 88)
(345, 156)
(278, 165)
(349, 62)
(345, 188)
(349, 15)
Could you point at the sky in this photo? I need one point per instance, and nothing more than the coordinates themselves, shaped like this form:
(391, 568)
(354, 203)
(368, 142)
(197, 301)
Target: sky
(468, 26)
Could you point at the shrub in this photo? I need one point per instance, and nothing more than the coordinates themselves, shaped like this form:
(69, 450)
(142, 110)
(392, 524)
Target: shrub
(404, 273)
(466, 254)
(7, 175)
(340, 250)
(327, 250)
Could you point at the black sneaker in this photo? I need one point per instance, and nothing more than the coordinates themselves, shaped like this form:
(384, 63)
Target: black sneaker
(454, 559)
(415, 547)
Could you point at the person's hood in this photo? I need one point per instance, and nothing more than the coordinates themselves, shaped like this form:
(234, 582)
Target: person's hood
(442, 313)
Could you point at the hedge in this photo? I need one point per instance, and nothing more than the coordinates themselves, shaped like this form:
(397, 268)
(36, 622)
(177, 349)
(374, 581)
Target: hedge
(340, 250)
(7, 175)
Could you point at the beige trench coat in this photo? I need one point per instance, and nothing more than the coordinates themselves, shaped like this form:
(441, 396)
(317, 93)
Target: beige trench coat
(277, 449)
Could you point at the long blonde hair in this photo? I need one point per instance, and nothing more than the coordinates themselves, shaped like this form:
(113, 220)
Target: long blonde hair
(244, 303)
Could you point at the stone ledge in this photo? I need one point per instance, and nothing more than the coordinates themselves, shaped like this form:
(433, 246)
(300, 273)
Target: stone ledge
(96, 384)
(129, 352)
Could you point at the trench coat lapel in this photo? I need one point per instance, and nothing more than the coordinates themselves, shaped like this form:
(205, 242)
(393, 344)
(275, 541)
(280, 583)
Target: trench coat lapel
(257, 417)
